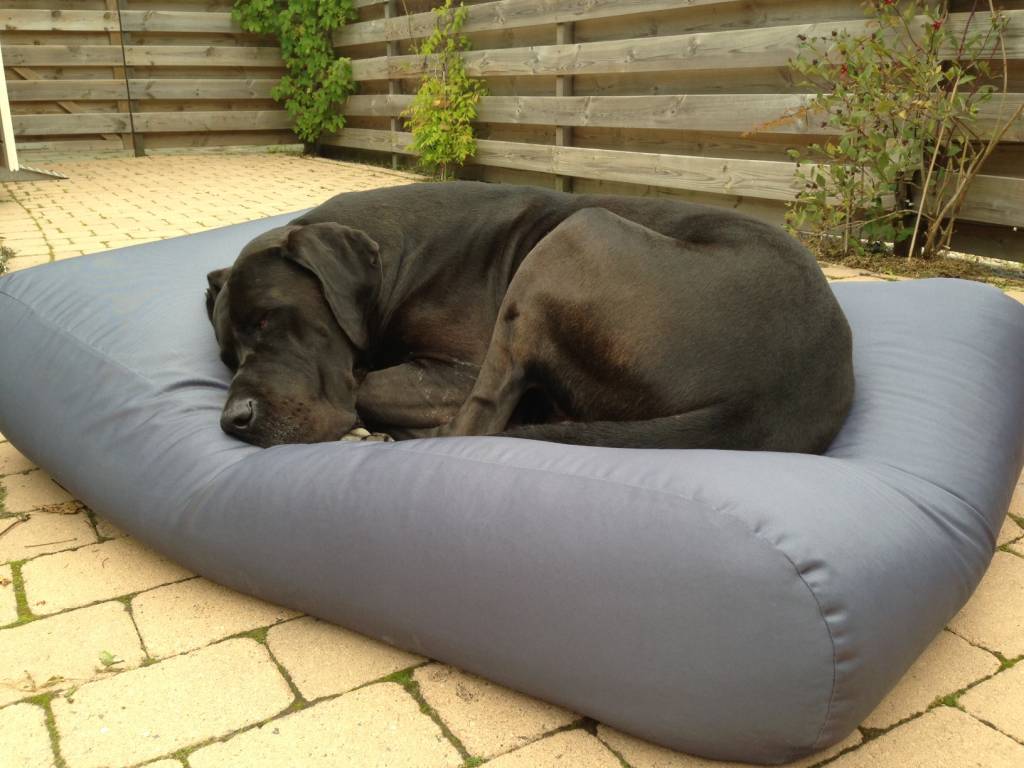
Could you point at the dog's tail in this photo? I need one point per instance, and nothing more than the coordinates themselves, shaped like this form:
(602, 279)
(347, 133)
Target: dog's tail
(712, 426)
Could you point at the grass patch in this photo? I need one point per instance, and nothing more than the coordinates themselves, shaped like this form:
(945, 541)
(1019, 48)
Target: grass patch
(620, 758)
(259, 635)
(43, 700)
(1005, 663)
(20, 596)
(405, 679)
(964, 269)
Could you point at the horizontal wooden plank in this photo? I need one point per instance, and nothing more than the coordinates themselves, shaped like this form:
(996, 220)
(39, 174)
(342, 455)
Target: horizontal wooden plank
(62, 55)
(992, 199)
(701, 51)
(201, 56)
(66, 90)
(34, 20)
(731, 113)
(206, 22)
(506, 14)
(181, 122)
(995, 200)
(68, 124)
(767, 179)
(201, 88)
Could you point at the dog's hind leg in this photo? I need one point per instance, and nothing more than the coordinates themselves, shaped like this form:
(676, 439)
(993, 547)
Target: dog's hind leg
(711, 426)
(411, 399)
(495, 395)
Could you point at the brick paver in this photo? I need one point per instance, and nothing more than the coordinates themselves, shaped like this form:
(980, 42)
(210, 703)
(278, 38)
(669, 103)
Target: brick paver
(24, 741)
(93, 573)
(66, 650)
(156, 710)
(999, 701)
(42, 533)
(112, 203)
(107, 529)
(12, 460)
(190, 614)
(994, 617)
(1009, 532)
(948, 665)
(487, 718)
(640, 754)
(34, 490)
(379, 726)
(324, 660)
(127, 713)
(570, 749)
(8, 601)
(945, 737)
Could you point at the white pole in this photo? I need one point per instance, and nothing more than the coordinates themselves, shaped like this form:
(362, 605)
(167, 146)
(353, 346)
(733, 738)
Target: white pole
(9, 153)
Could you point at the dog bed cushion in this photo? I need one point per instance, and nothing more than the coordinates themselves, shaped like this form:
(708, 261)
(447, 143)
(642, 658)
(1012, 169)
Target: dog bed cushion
(737, 605)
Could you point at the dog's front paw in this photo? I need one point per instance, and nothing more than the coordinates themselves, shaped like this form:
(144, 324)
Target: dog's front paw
(363, 435)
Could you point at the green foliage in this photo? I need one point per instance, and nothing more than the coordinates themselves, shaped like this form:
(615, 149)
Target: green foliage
(317, 81)
(5, 256)
(441, 115)
(108, 660)
(902, 98)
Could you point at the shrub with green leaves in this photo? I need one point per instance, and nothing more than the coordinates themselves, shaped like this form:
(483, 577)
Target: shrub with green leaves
(5, 256)
(902, 99)
(317, 81)
(442, 113)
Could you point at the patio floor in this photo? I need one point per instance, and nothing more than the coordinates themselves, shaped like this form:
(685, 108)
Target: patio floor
(112, 656)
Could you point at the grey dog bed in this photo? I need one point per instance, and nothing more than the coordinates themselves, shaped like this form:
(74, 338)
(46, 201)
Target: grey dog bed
(746, 606)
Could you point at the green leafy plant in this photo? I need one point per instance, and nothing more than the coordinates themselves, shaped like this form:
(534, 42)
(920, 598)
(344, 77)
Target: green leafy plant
(109, 660)
(442, 113)
(316, 81)
(5, 256)
(902, 100)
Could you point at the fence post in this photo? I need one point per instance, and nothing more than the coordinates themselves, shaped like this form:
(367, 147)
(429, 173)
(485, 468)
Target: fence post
(563, 87)
(394, 87)
(130, 140)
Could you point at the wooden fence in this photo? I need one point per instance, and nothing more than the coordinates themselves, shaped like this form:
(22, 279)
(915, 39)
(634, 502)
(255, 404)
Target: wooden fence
(661, 97)
(130, 74)
(657, 97)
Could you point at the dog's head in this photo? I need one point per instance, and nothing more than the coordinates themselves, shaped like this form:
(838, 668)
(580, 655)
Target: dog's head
(290, 317)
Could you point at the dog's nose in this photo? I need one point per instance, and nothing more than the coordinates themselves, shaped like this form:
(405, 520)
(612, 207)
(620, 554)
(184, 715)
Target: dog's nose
(238, 415)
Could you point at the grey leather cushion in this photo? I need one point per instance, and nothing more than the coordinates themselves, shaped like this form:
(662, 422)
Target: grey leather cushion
(749, 606)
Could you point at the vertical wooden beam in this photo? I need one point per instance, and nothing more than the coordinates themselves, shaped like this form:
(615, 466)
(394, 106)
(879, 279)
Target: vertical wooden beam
(9, 153)
(128, 140)
(394, 88)
(563, 87)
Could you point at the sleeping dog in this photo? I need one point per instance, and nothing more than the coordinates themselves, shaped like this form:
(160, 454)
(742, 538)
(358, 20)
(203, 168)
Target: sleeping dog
(465, 308)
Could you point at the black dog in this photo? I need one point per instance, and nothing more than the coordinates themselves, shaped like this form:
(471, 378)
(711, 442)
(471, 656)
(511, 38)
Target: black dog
(597, 320)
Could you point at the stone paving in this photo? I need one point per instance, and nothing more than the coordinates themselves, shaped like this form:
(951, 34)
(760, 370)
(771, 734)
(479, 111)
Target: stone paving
(110, 655)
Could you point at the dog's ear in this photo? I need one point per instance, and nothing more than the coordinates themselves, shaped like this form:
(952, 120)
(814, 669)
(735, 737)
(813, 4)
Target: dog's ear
(347, 264)
(215, 280)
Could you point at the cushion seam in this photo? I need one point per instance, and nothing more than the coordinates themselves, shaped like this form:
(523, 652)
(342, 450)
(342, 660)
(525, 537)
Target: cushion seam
(81, 344)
